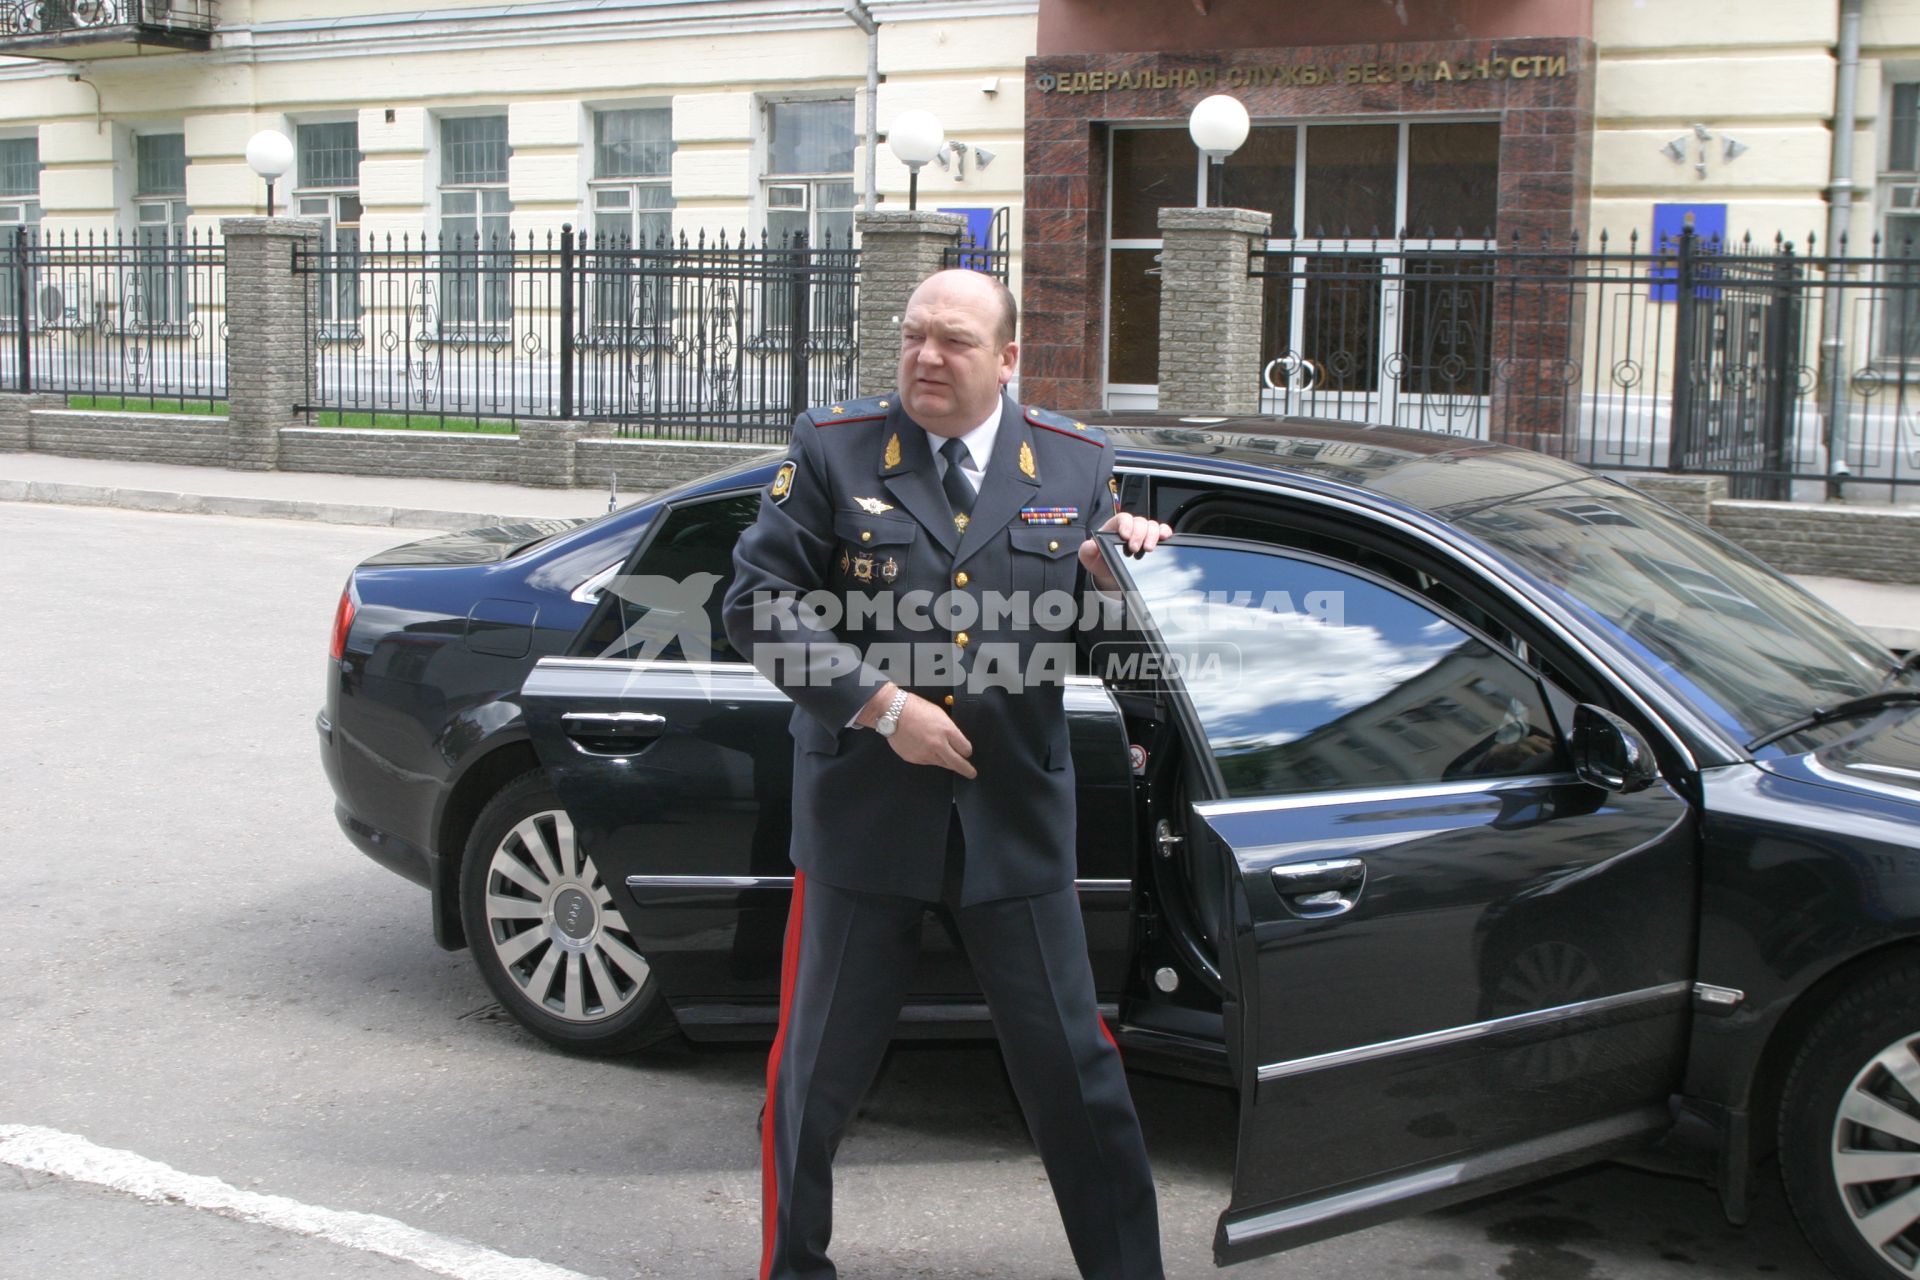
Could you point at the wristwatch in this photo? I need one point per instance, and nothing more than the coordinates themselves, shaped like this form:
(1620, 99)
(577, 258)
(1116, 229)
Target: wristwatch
(890, 718)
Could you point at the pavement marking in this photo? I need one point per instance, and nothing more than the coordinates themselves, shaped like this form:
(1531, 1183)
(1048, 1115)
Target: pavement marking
(69, 1156)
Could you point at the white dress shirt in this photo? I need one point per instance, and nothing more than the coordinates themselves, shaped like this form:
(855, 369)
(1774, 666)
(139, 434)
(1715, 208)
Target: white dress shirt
(979, 442)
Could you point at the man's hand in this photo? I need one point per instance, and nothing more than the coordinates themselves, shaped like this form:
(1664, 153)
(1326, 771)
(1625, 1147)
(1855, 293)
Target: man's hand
(925, 734)
(1139, 534)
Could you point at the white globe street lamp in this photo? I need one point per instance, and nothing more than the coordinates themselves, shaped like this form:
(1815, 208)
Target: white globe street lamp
(1219, 125)
(269, 154)
(915, 137)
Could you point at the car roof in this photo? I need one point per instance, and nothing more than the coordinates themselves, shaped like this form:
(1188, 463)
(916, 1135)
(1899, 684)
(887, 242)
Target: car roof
(1431, 471)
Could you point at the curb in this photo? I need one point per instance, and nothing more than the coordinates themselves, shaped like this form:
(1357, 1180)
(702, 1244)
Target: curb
(91, 495)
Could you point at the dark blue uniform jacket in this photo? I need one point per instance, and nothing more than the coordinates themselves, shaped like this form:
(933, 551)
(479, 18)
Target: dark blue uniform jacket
(857, 512)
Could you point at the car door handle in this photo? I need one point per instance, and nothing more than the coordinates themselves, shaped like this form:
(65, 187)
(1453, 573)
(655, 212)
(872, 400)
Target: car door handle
(1314, 889)
(615, 733)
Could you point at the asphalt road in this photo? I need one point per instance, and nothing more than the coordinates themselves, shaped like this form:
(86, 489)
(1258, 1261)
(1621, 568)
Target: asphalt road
(205, 978)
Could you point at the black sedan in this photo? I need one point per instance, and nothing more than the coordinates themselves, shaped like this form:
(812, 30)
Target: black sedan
(1473, 816)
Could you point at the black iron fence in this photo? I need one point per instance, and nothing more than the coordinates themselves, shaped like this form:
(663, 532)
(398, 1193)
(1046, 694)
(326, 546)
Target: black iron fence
(990, 257)
(54, 17)
(1783, 369)
(141, 318)
(693, 337)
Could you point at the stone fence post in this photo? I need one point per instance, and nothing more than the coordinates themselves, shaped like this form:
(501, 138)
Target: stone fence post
(898, 249)
(1210, 310)
(268, 311)
(549, 453)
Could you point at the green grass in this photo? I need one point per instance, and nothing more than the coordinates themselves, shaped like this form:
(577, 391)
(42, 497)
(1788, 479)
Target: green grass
(377, 421)
(399, 422)
(140, 404)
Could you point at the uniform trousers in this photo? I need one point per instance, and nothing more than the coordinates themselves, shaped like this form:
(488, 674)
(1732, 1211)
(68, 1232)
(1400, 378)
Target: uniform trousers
(848, 961)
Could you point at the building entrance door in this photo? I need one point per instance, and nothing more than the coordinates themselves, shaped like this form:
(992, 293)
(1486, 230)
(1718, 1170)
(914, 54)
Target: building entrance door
(1377, 288)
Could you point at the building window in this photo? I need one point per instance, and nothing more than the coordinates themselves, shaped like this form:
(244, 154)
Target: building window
(1900, 198)
(327, 186)
(19, 213)
(632, 192)
(159, 294)
(1380, 235)
(809, 173)
(475, 219)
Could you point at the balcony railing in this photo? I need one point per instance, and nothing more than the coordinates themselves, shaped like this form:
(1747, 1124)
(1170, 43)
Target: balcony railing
(75, 29)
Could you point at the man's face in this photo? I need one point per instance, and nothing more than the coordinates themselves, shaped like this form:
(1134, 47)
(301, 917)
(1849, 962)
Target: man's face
(952, 362)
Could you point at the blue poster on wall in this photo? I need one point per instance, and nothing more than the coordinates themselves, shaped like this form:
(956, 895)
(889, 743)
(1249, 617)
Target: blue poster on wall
(1670, 221)
(979, 226)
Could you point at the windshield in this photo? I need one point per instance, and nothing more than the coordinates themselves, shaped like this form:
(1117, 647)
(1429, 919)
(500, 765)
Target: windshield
(1747, 646)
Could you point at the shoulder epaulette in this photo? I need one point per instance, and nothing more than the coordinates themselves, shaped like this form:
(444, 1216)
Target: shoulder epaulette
(865, 409)
(1048, 420)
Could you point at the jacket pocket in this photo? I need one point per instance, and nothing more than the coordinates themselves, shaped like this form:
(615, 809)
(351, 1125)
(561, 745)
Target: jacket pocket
(1045, 557)
(873, 551)
(813, 737)
(858, 529)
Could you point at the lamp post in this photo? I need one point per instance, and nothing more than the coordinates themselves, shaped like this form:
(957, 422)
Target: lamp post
(1218, 125)
(915, 137)
(269, 154)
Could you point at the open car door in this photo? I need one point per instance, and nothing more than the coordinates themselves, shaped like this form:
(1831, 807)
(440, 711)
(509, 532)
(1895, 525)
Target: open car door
(1451, 964)
(672, 758)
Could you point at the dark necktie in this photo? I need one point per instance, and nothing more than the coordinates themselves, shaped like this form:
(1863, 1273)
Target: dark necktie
(959, 492)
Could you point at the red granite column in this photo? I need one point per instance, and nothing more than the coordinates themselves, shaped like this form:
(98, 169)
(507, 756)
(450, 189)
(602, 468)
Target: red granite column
(1540, 89)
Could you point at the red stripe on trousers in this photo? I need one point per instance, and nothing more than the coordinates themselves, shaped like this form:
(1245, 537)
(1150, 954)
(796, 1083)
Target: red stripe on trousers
(769, 1176)
(1107, 1033)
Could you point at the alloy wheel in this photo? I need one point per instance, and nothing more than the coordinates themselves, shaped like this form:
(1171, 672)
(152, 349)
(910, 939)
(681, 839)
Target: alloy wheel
(554, 925)
(1876, 1153)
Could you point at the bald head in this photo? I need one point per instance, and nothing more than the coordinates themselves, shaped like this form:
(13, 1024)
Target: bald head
(956, 349)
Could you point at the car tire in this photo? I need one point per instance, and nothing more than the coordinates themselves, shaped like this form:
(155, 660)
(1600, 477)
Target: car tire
(1850, 1128)
(546, 934)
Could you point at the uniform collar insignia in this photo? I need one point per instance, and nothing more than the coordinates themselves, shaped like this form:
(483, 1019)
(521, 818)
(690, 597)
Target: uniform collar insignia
(892, 458)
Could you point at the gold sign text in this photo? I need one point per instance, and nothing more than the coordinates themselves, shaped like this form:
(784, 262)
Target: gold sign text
(1306, 75)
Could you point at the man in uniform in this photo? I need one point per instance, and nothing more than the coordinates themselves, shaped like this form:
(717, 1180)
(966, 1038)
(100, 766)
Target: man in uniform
(945, 775)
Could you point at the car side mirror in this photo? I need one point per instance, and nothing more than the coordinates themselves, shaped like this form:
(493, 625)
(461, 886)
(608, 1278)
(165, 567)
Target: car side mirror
(1610, 753)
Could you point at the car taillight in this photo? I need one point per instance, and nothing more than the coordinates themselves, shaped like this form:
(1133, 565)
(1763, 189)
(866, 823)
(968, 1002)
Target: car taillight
(342, 623)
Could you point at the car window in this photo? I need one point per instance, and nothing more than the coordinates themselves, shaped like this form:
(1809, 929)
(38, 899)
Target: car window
(1234, 519)
(1722, 630)
(1309, 676)
(666, 605)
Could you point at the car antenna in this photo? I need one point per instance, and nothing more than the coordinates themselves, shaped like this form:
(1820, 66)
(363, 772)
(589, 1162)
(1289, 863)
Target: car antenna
(613, 487)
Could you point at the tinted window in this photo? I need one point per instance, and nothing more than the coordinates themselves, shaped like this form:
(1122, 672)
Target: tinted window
(1306, 677)
(1730, 635)
(667, 605)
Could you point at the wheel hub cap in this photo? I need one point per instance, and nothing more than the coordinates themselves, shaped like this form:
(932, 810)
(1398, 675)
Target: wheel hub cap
(575, 919)
(1876, 1153)
(553, 926)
